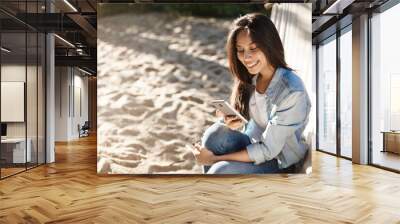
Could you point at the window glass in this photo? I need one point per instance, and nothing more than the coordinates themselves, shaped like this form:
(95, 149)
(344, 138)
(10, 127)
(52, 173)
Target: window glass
(385, 84)
(327, 96)
(345, 94)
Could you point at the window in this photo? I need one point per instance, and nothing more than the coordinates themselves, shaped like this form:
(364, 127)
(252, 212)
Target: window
(385, 88)
(327, 96)
(346, 93)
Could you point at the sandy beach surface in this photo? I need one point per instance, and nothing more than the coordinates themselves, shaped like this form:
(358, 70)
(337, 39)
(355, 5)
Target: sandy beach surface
(156, 75)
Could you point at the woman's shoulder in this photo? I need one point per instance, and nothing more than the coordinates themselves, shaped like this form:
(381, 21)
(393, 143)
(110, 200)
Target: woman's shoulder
(291, 80)
(289, 89)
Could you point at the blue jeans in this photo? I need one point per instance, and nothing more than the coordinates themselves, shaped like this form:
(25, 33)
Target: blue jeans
(220, 139)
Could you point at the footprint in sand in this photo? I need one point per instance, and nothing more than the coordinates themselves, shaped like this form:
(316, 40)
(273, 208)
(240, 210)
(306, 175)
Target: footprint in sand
(150, 69)
(171, 152)
(128, 131)
(148, 140)
(136, 148)
(166, 135)
(148, 103)
(172, 79)
(171, 112)
(138, 111)
(170, 167)
(167, 104)
(151, 113)
(192, 98)
(130, 162)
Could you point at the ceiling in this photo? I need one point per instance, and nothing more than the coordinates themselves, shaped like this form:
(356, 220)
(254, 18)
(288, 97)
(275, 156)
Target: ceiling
(332, 15)
(74, 22)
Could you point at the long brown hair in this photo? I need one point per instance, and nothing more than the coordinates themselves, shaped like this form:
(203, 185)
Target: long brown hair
(264, 34)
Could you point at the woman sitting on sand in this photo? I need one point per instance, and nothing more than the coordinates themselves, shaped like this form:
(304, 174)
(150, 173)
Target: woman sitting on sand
(268, 94)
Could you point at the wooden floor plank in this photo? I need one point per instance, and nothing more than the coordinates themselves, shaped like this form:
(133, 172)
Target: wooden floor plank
(70, 191)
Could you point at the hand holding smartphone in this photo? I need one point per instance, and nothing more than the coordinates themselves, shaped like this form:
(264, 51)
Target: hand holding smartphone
(227, 110)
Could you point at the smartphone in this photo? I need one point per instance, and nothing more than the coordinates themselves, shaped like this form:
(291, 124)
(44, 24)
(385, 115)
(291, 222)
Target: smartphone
(227, 109)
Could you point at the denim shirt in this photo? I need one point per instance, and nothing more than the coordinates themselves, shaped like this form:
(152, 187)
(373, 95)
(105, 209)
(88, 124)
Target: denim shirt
(288, 107)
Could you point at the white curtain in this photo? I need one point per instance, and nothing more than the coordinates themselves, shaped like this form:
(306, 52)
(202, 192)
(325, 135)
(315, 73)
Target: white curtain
(294, 24)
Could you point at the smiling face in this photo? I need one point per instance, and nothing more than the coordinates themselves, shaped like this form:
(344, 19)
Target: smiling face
(249, 54)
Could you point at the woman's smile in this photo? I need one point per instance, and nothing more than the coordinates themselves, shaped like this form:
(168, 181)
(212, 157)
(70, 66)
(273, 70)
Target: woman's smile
(252, 65)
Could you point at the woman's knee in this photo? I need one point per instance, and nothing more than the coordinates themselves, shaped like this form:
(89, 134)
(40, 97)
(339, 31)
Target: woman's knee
(213, 136)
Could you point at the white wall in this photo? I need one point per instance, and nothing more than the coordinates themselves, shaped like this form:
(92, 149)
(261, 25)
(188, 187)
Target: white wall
(62, 81)
(12, 73)
(12, 101)
(70, 83)
(81, 82)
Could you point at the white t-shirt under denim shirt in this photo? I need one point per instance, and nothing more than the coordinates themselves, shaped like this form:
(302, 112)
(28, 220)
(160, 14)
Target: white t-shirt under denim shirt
(278, 131)
(258, 114)
(258, 108)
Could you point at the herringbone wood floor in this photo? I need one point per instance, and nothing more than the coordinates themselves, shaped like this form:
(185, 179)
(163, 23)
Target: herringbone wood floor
(70, 191)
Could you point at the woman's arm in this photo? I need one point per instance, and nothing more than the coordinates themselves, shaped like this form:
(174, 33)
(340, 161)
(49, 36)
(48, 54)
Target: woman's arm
(241, 156)
(206, 157)
(291, 115)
